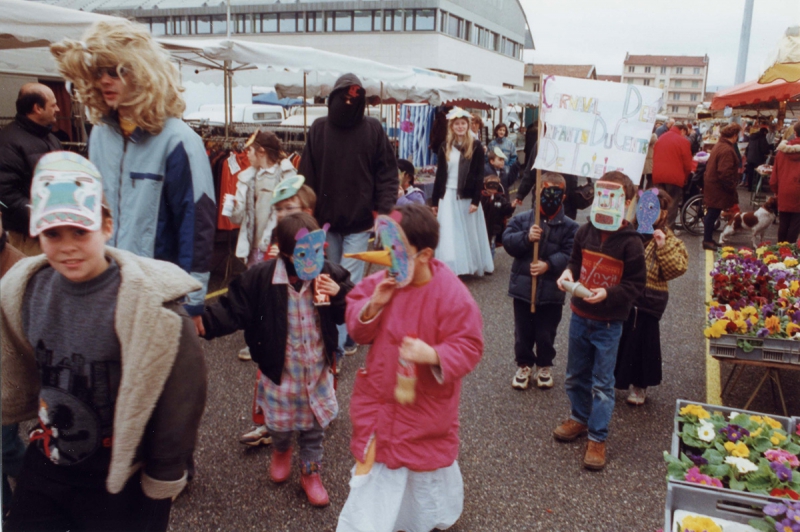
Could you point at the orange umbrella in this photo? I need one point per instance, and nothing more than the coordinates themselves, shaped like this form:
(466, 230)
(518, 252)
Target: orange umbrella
(754, 93)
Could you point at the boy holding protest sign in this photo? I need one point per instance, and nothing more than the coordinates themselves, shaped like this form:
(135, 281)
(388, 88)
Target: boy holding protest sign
(608, 259)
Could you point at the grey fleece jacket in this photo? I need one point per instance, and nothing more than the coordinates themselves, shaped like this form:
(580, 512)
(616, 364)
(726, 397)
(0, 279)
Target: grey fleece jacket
(162, 390)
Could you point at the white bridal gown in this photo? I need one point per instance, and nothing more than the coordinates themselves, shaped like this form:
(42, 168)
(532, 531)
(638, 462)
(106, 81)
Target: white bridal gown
(463, 241)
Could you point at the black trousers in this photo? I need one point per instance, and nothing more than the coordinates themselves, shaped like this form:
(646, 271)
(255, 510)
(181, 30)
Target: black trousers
(750, 175)
(788, 227)
(535, 331)
(41, 503)
(709, 221)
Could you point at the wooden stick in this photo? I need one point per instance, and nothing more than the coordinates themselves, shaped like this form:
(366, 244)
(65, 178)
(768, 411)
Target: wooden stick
(536, 199)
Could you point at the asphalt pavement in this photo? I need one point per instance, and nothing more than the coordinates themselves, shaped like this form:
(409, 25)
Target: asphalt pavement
(516, 476)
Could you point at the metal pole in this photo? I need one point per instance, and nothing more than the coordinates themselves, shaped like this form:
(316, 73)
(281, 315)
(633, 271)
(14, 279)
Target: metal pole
(229, 20)
(305, 106)
(744, 42)
(225, 81)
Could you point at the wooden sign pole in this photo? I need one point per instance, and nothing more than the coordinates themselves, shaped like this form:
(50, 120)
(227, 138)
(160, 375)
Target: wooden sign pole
(536, 199)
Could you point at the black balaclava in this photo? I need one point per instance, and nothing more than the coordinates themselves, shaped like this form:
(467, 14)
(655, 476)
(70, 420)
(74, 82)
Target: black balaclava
(340, 114)
(551, 201)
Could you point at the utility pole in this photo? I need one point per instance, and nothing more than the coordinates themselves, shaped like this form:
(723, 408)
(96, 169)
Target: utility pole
(744, 42)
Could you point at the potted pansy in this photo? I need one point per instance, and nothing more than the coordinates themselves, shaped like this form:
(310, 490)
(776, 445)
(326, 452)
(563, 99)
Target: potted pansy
(743, 452)
(783, 517)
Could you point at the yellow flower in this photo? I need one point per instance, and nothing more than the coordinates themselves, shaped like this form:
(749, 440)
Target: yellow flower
(737, 449)
(716, 329)
(784, 292)
(794, 286)
(728, 249)
(732, 315)
(756, 433)
(790, 262)
(695, 410)
(760, 251)
(781, 244)
(792, 328)
(750, 311)
(769, 259)
(777, 438)
(772, 423)
(773, 323)
(742, 326)
(696, 522)
(757, 419)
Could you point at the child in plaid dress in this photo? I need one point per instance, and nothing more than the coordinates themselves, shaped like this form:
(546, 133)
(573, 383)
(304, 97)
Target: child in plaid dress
(293, 342)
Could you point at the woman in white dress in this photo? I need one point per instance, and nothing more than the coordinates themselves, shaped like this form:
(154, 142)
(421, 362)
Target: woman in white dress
(463, 242)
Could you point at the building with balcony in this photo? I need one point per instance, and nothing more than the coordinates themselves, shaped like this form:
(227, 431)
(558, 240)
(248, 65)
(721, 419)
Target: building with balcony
(682, 78)
(476, 40)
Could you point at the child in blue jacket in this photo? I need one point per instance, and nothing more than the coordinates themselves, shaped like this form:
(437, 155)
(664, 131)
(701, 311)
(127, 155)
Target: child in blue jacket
(535, 332)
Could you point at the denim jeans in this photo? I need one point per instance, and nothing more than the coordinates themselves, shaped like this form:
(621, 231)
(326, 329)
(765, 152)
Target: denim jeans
(338, 245)
(310, 442)
(591, 360)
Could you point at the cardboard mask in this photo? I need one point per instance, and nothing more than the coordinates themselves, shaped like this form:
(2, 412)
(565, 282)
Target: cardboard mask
(648, 210)
(309, 253)
(394, 240)
(608, 207)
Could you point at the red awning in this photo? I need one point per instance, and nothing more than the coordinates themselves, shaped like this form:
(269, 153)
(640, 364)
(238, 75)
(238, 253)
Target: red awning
(753, 93)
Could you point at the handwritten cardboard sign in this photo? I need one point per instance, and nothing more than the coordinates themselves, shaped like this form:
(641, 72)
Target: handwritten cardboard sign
(594, 127)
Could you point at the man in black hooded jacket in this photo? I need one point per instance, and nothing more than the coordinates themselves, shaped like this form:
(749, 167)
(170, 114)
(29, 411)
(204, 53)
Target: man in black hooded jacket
(350, 163)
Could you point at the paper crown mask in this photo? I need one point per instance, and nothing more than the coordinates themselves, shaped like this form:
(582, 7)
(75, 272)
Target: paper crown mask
(287, 188)
(648, 210)
(458, 112)
(309, 252)
(396, 252)
(66, 190)
(608, 207)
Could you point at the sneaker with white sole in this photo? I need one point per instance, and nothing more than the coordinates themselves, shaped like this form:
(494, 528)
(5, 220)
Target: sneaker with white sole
(522, 378)
(257, 436)
(350, 349)
(543, 378)
(244, 354)
(637, 396)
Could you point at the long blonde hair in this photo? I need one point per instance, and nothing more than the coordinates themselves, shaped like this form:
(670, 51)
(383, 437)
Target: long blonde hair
(154, 88)
(466, 151)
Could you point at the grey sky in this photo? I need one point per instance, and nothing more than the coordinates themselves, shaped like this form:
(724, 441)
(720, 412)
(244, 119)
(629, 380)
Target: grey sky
(599, 32)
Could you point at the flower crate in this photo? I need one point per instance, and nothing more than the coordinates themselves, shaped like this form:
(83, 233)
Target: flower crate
(727, 411)
(734, 507)
(782, 351)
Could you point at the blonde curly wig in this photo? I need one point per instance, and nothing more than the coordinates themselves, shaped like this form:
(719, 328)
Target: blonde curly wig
(154, 89)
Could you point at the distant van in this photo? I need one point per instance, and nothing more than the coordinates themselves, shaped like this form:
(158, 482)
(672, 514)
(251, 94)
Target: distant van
(214, 114)
(295, 117)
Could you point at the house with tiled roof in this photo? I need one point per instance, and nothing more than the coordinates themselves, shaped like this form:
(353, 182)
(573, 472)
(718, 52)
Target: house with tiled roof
(682, 78)
(607, 77)
(533, 73)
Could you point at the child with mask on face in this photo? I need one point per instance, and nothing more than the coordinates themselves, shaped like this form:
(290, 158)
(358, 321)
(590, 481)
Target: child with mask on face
(555, 235)
(608, 260)
(293, 340)
(496, 208)
(639, 355)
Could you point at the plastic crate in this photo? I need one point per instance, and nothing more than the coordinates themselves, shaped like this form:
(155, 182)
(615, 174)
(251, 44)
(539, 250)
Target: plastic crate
(735, 507)
(680, 403)
(778, 350)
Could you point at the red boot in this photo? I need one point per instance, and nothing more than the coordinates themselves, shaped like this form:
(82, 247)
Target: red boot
(280, 467)
(315, 491)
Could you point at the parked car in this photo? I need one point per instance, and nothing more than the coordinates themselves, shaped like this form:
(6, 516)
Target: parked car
(214, 114)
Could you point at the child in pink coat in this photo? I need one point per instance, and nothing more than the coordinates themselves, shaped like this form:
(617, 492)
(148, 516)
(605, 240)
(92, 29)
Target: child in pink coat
(407, 475)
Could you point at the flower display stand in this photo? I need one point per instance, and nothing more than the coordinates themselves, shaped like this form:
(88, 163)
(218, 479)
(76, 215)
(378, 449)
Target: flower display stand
(731, 509)
(786, 422)
(733, 346)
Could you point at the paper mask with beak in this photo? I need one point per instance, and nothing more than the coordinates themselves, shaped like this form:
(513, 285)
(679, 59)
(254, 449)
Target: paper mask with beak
(648, 210)
(396, 249)
(309, 253)
(608, 208)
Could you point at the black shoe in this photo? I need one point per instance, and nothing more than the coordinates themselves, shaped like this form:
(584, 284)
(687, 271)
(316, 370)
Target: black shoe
(710, 245)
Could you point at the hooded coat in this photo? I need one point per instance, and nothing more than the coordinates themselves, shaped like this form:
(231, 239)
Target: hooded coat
(350, 164)
(722, 176)
(785, 179)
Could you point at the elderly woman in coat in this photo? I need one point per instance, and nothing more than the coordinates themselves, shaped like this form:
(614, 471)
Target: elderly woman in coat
(721, 179)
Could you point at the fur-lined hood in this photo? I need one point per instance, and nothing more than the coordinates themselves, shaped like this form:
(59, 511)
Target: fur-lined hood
(149, 334)
(791, 147)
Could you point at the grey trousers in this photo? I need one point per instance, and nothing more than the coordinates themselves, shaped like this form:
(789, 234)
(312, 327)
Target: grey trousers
(676, 193)
(310, 442)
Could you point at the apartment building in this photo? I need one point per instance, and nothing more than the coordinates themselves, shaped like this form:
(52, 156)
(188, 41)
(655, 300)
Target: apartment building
(682, 78)
(475, 40)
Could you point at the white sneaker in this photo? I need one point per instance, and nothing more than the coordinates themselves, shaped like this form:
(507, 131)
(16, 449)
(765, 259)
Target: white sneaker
(257, 436)
(543, 378)
(522, 377)
(244, 354)
(637, 396)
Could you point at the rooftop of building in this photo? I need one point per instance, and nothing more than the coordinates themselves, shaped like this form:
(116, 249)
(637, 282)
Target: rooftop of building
(667, 60)
(570, 71)
(608, 77)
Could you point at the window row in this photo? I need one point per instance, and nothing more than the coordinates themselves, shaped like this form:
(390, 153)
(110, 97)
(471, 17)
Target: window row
(309, 21)
(663, 70)
(478, 35)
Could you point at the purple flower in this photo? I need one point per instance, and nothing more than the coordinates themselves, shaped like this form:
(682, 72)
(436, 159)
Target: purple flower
(786, 525)
(783, 473)
(793, 516)
(763, 332)
(697, 459)
(734, 433)
(775, 509)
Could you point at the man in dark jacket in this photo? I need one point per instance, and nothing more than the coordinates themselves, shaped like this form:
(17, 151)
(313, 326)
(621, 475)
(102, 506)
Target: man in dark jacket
(758, 149)
(22, 143)
(350, 163)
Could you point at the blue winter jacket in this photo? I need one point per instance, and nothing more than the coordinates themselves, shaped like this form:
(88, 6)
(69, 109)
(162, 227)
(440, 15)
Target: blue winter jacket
(555, 248)
(161, 194)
